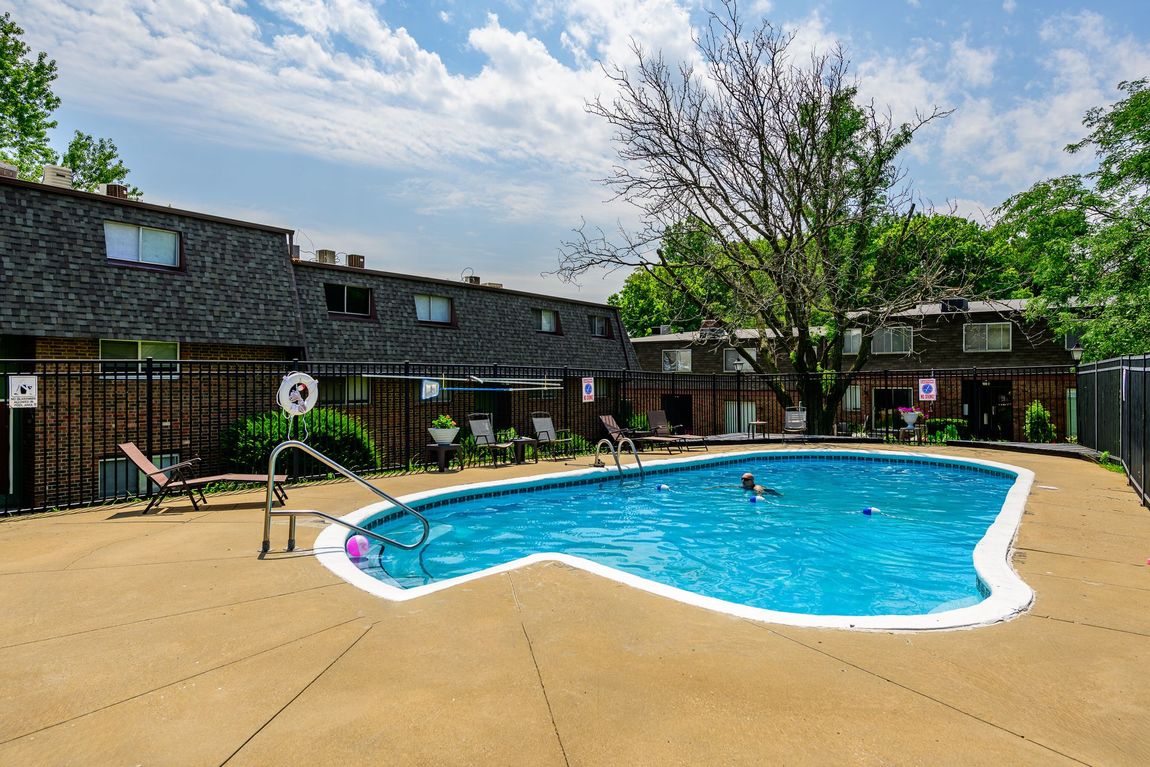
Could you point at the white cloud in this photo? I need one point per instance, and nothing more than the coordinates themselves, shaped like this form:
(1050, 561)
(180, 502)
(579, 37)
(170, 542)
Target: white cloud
(445, 17)
(971, 67)
(1009, 5)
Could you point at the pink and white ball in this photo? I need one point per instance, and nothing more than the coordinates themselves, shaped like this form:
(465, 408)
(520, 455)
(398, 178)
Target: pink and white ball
(357, 546)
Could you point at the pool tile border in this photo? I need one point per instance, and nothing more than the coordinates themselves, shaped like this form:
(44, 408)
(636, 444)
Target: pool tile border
(1007, 595)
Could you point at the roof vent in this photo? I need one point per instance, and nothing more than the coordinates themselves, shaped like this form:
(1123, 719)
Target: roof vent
(471, 279)
(356, 261)
(664, 330)
(57, 175)
(325, 256)
(8, 171)
(950, 305)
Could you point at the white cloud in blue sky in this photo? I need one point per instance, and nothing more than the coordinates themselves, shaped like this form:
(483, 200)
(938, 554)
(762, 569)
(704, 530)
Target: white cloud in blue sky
(432, 136)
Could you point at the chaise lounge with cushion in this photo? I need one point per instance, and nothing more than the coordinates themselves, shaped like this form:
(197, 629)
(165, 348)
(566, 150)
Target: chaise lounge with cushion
(661, 427)
(177, 479)
(618, 433)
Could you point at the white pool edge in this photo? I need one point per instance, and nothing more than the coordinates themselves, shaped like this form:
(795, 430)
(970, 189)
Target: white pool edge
(1009, 594)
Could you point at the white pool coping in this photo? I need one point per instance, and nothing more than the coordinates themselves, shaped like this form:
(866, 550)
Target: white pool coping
(1009, 594)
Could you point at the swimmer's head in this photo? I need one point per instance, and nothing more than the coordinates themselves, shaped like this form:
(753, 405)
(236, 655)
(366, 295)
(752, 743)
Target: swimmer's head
(748, 480)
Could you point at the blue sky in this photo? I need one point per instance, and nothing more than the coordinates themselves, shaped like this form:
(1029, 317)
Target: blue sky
(440, 135)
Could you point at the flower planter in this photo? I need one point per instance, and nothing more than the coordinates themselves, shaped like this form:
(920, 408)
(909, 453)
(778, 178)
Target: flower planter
(910, 419)
(443, 436)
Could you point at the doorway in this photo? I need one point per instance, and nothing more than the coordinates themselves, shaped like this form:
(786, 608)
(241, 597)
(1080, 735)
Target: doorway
(885, 404)
(679, 411)
(988, 407)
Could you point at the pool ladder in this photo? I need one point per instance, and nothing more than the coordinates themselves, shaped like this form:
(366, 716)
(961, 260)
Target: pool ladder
(615, 453)
(293, 513)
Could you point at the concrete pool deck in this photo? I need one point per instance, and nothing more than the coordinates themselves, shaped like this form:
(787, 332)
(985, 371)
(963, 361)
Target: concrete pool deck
(166, 640)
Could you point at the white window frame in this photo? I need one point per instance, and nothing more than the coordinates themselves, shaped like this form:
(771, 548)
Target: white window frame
(161, 460)
(164, 371)
(431, 301)
(729, 358)
(140, 233)
(986, 337)
(677, 366)
(852, 337)
(595, 320)
(852, 399)
(542, 318)
(889, 333)
(345, 312)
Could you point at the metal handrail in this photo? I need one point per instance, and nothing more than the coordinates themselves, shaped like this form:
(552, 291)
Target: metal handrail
(611, 445)
(269, 513)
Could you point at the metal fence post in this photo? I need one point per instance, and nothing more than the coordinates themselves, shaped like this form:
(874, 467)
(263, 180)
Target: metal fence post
(715, 404)
(405, 388)
(739, 398)
(149, 404)
(566, 398)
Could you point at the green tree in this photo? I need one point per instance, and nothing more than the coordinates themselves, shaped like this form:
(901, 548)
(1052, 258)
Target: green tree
(1086, 238)
(94, 162)
(26, 102)
(790, 174)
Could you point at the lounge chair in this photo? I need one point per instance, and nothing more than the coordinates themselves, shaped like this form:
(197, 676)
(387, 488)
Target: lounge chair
(176, 479)
(617, 433)
(547, 434)
(661, 427)
(794, 421)
(485, 439)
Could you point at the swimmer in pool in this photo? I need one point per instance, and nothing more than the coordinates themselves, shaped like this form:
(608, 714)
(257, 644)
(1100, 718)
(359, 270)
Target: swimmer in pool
(749, 484)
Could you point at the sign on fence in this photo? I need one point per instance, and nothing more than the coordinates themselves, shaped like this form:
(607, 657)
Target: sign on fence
(927, 390)
(588, 389)
(22, 391)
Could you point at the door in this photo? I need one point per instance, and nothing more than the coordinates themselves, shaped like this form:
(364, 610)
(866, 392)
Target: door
(737, 416)
(885, 404)
(679, 411)
(988, 407)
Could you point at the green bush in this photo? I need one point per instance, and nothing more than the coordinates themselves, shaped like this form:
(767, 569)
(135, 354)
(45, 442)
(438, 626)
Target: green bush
(1037, 426)
(948, 428)
(247, 443)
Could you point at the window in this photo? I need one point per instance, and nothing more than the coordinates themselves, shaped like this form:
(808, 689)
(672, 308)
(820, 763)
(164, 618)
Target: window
(142, 244)
(437, 309)
(138, 351)
(986, 337)
(896, 340)
(349, 390)
(676, 360)
(1072, 340)
(730, 356)
(852, 341)
(601, 327)
(547, 320)
(348, 299)
(852, 398)
(119, 477)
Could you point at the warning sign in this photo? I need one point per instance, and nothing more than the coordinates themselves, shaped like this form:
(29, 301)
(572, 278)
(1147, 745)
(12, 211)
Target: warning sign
(22, 391)
(588, 389)
(927, 390)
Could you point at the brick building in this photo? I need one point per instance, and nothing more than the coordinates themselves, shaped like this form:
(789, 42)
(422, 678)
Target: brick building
(977, 350)
(100, 277)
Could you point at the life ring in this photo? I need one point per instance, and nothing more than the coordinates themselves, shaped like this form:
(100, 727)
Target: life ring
(298, 393)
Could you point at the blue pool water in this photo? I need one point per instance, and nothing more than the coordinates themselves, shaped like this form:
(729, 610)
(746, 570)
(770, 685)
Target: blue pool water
(810, 550)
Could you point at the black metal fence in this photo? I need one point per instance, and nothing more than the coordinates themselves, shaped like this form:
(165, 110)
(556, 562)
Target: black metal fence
(63, 452)
(1113, 415)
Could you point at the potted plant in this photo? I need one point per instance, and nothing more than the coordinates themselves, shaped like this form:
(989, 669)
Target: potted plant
(910, 415)
(443, 430)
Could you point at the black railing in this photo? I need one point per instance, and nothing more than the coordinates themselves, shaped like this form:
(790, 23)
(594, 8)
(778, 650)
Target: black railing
(1113, 413)
(372, 418)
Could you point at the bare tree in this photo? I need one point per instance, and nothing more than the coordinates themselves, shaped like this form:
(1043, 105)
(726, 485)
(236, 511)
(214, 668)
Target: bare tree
(793, 180)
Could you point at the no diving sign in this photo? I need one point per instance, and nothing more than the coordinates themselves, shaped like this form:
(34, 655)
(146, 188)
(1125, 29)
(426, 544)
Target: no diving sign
(927, 390)
(22, 391)
(588, 389)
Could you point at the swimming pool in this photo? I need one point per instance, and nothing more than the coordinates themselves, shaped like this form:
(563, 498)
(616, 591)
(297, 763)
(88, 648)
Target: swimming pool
(932, 554)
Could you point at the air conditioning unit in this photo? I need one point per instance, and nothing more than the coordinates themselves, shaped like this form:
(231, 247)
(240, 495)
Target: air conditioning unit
(471, 279)
(295, 252)
(951, 305)
(9, 171)
(325, 256)
(57, 175)
(356, 261)
(119, 191)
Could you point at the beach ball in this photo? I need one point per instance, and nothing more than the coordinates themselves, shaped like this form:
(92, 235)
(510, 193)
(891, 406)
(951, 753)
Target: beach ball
(357, 546)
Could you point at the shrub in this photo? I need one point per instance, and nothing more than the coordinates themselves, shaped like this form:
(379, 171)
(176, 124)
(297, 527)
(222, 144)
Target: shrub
(247, 443)
(1037, 426)
(947, 428)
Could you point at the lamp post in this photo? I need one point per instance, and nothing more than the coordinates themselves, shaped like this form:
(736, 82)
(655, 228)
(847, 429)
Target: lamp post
(739, 361)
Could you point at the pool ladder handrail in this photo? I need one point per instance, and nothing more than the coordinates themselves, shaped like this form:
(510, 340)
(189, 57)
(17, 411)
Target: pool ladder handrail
(611, 445)
(293, 513)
